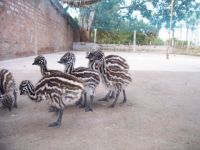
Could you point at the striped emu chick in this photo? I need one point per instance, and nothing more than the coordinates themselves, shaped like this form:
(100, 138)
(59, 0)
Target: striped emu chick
(89, 76)
(115, 79)
(42, 63)
(113, 61)
(60, 89)
(8, 92)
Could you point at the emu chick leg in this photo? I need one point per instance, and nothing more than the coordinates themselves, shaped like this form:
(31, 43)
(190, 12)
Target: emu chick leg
(89, 105)
(116, 98)
(15, 99)
(84, 101)
(112, 94)
(58, 122)
(125, 99)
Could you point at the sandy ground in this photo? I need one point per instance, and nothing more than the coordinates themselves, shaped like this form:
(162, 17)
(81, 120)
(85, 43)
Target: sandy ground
(162, 112)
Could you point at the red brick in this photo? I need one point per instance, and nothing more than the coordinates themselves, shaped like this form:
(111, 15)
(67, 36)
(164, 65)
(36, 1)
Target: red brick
(27, 26)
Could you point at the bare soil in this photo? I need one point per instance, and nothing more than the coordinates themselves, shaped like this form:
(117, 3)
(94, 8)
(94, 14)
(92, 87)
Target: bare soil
(162, 112)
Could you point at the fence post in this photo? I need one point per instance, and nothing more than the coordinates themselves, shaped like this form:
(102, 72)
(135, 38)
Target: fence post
(134, 40)
(95, 38)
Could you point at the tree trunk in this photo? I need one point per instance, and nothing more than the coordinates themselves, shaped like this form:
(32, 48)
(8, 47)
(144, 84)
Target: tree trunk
(86, 24)
(85, 35)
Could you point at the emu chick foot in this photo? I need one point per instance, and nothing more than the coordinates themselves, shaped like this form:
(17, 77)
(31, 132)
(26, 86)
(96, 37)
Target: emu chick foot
(55, 124)
(87, 109)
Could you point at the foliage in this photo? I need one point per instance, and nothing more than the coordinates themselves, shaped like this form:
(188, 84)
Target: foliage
(127, 38)
(116, 22)
(157, 41)
(159, 12)
(115, 27)
(180, 43)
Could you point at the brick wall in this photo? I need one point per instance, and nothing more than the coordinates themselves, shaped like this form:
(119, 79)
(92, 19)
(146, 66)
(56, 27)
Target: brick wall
(29, 27)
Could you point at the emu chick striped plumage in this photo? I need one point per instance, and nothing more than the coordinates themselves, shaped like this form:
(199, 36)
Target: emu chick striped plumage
(8, 92)
(115, 79)
(89, 76)
(42, 63)
(113, 61)
(60, 89)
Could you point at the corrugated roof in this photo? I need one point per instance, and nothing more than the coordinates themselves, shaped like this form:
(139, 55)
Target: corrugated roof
(80, 3)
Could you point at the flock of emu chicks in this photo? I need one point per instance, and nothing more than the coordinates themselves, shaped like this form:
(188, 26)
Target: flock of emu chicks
(71, 86)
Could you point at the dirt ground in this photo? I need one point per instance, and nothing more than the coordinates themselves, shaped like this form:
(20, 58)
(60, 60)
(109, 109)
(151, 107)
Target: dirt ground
(162, 113)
